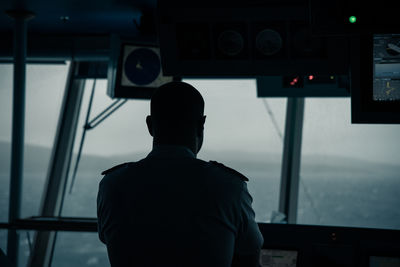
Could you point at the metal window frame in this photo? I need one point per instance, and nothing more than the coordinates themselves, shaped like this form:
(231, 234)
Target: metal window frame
(20, 17)
(291, 159)
(38, 223)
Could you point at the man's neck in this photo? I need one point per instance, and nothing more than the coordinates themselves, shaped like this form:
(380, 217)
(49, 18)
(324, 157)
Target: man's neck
(189, 145)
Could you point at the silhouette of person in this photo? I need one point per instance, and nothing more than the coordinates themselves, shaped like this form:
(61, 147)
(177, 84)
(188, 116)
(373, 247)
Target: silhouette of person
(170, 208)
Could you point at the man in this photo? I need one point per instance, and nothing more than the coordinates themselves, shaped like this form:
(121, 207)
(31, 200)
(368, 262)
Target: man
(171, 209)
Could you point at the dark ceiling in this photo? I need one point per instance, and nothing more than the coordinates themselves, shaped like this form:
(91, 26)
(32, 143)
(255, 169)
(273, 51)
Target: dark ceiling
(77, 16)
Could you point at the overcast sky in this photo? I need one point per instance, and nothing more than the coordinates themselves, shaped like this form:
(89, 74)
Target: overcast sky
(236, 120)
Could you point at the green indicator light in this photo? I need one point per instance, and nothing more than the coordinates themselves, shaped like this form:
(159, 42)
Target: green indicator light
(352, 19)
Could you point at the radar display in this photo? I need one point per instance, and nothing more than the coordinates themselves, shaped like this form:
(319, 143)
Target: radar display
(386, 64)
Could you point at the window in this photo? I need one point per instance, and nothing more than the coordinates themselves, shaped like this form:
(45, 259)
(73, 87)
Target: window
(240, 134)
(79, 249)
(349, 172)
(45, 86)
(44, 91)
(3, 240)
(25, 246)
(122, 137)
(25, 242)
(5, 137)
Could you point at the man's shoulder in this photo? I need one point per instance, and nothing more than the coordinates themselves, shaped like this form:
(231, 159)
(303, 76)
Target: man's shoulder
(118, 167)
(212, 165)
(228, 171)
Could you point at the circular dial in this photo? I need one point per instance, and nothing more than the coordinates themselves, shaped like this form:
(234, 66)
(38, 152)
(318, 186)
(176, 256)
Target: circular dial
(268, 42)
(230, 42)
(142, 66)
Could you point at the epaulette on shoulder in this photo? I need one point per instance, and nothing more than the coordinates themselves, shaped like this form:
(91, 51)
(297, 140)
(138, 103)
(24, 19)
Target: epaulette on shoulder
(241, 176)
(115, 168)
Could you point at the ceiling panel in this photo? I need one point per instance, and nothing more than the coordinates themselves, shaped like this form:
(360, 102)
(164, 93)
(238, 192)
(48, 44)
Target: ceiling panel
(78, 16)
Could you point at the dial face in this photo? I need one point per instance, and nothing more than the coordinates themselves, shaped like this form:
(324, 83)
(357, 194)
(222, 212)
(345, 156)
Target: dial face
(230, 42)
(269, 42)
(142, 66)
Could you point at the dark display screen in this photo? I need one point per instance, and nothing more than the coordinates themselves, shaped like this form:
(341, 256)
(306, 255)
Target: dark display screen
(386, 64)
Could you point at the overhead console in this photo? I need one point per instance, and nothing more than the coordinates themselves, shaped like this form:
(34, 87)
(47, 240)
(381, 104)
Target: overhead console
(315, 246)
(281, 43)
(250, 38)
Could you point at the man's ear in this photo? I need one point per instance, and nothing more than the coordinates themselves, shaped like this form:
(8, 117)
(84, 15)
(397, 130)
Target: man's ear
(149, 122)
(203, 120)
(200, 128)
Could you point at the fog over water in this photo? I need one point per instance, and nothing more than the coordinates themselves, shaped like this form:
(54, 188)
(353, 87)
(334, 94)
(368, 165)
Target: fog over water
(236, 120)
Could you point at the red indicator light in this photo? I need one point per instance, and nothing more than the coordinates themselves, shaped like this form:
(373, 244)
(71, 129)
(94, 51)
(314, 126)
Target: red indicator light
(311, 77)
(296, 79)
(292, 83)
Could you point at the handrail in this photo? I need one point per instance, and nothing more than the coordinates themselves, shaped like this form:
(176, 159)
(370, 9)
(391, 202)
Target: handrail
(53, 224)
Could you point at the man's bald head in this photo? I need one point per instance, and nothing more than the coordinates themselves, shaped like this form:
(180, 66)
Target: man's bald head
(179, 99)
(177, 111)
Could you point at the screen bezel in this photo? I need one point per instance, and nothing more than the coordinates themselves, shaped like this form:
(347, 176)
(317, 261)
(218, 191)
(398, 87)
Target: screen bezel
(133, 92)
(390, 106)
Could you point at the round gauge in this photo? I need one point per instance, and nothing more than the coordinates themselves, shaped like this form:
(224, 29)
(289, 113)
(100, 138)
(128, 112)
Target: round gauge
(268, 42)
(142, 66)
(230, 42)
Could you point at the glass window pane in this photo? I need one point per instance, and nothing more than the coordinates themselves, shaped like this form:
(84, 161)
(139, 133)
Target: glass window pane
(239, 132)
(6, 74)
(349, 172)
(44, 91)
(79, 249)
(3, 240)
(45, 86)
(120, 138)
(25, 244)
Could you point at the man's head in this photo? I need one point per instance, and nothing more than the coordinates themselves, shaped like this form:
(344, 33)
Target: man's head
(177, 116)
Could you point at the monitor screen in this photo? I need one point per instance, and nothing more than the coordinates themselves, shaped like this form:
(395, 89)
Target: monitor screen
(386, 67)
(278, 258)
(375, 261)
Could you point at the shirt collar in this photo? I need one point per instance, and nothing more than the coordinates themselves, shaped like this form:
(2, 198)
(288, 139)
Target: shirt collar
(171, 151)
